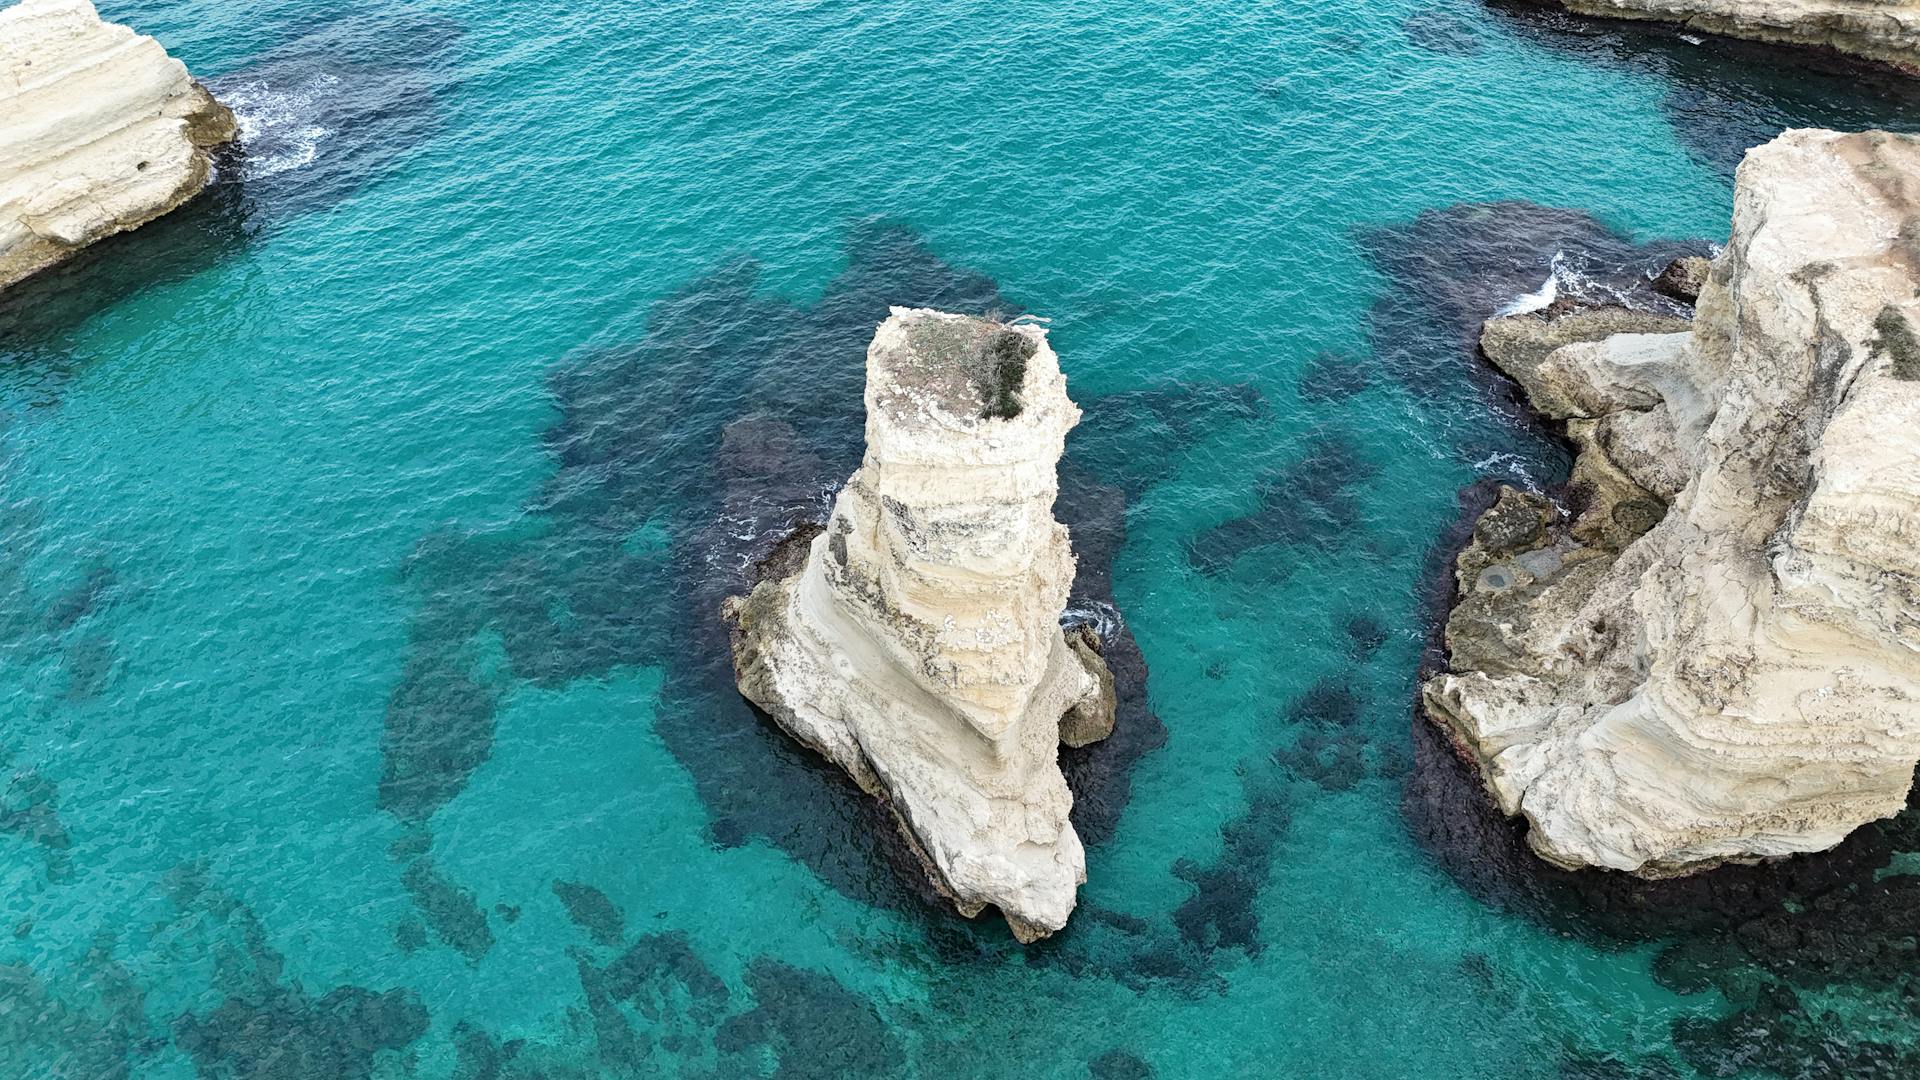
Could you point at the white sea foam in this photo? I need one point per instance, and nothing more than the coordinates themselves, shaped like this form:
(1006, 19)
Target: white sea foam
(1565, 278)
(1546, 294)
(1513, 466)
(276, 124)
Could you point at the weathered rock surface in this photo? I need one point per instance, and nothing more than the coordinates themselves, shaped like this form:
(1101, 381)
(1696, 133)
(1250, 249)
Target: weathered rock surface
(1887, 31)
(100, 132)
(1710, 650)
(919, 645)
(1684, 278)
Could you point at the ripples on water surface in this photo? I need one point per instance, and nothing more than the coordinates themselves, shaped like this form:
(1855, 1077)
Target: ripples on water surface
(361, 527)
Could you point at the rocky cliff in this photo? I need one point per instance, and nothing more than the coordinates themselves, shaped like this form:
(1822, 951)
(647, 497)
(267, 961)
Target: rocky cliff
(100, 131)
(917, 643)
(1887, 31)
(1709, 648)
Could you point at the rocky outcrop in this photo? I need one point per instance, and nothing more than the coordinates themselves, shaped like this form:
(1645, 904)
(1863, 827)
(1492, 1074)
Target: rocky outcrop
(1887, 31)
(1709, 649)
(100, 132)
(1684, 278)
(918, 645)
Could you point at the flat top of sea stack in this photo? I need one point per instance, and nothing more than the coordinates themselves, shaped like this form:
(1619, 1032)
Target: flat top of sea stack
(938, 369)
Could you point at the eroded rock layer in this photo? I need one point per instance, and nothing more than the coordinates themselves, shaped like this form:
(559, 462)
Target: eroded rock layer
(1887, 31)
(918, 645)
(1709, 650)
(100, 132)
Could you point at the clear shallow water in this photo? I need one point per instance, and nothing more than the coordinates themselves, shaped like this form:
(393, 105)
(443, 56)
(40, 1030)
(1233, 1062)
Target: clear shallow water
(363, 707)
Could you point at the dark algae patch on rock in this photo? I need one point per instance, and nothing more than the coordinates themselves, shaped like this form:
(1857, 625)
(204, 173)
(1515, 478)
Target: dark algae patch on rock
(1898, 344)
(1003, 360)
(1313, 505)
(1440, 31)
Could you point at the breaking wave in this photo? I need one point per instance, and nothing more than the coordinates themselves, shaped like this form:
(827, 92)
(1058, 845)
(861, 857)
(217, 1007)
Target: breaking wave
(277, 128)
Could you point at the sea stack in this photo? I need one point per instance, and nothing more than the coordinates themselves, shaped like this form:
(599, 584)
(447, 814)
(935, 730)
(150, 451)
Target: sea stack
(1886, 31)
(919, 646)
(1708, 650)
(100, 132)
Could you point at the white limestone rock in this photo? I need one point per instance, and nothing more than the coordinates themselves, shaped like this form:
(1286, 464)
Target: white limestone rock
(919, 647)
(1887, 31)
(1741, 679)
(100, 132)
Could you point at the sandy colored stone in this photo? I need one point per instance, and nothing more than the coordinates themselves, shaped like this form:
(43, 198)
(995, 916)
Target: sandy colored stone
(100, 132)
(919, 646)
(1714, 653)
(1887, 31)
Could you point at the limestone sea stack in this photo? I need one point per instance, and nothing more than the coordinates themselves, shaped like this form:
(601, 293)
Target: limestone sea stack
(919, 645)
(1709, 649)
(100, 132)
(1887, 31)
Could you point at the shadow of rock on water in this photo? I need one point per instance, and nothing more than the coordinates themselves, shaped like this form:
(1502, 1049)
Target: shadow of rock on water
(339, 102)
(1724, 95)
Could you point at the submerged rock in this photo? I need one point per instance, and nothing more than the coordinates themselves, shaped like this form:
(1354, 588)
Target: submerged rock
(1887, 31)
(100, 132)
(919, 645)
(1709, 651)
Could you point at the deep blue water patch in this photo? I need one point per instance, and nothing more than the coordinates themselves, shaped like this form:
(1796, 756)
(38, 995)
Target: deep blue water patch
(1726, 95)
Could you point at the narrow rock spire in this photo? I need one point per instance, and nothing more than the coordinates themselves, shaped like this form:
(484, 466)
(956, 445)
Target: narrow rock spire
(919, 647)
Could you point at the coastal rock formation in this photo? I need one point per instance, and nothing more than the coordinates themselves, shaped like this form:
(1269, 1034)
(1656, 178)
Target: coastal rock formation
(1887, 31)
(918, 645)
(100, 132)
(1709, 649)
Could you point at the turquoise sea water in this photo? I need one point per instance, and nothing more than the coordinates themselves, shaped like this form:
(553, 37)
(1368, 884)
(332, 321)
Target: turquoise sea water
(361, 525)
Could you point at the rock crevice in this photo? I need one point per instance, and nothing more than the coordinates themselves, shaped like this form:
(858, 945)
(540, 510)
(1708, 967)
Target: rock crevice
(918, 644)
(1709, 649)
